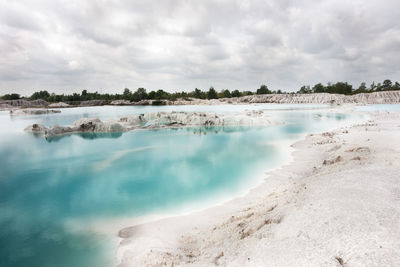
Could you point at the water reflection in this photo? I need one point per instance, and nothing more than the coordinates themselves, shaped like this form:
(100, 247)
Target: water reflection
(197, 130)
(204, 130)
(87, 136)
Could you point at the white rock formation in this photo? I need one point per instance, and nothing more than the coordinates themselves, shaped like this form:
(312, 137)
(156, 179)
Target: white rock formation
(155, 120)
(79, 126)
(36, 128)
(31, 111)
(206, 119)
(96, 125)
(384, 97)
(59, 105)
(322, 98)
(25, 103)
(121, 102)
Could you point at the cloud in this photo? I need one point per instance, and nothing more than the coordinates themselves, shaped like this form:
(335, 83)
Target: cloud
(66, 46)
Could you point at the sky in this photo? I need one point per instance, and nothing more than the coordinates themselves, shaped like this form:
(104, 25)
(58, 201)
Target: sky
(175, 45)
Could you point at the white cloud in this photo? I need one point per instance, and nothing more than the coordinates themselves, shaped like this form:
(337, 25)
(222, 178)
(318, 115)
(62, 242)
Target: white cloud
(66, 46)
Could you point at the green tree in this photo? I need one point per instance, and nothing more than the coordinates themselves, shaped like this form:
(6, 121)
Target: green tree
(160, 94)
(305, 89)
(361, 89)
(396, 86)
(139, 94)
(40, 95)
(342, 88)
(226, 94)
(84, 95)
(76, 97)
(151, 95)
(318, 88)
(373, 86)
(263, 90)
(387, 85)
(235, 93)
(52, 97)
(212, 94)
(11, 96)
(127, 95)
(197, 93)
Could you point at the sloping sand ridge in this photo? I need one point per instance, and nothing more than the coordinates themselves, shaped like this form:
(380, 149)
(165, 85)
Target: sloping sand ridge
(336, 204)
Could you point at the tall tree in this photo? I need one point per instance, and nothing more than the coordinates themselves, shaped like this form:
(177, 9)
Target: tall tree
(212, 94)
(305, 89)
(40, 95)
(263, 90)
(342, 88)
(139, 94)
(235, 93)
(198, 94)
(11, 96)
(226, 94)
(387, 85)
(318, 88)
(127, 94)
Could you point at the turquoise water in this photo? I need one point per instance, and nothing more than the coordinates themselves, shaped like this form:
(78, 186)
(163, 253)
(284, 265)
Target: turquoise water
(45, 184)
(380, 107)
(69, 115)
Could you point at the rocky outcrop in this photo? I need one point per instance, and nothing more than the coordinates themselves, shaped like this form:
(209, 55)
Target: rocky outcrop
(154, 120)
(59, 105)
(158, 119)
(96, 102)
(82, 125)
(180, 101)
(22, 112)
(36, 128)
(4, 106)
(25, 103)
(384, 97)
(322, 98)
(96, 125)
(121, 102)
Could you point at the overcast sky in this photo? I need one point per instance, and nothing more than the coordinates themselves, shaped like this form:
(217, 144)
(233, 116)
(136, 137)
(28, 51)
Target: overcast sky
(67, 46)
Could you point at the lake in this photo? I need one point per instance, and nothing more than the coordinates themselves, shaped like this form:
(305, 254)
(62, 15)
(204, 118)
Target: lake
(49, 186)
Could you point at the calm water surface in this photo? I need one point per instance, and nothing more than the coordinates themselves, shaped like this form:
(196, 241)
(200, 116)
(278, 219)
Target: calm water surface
(380, 107)
(45, 184)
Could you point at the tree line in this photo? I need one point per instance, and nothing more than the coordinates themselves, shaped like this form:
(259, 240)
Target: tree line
(142, 94)
(347, 89)
(139, 94)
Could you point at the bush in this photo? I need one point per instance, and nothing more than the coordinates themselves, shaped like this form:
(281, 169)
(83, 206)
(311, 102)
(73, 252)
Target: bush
(11, 97)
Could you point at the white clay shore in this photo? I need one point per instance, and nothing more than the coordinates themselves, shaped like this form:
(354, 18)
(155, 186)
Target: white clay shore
(336, 204)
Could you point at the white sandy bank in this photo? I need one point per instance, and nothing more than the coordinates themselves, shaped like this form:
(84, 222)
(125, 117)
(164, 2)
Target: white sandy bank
(337, 204)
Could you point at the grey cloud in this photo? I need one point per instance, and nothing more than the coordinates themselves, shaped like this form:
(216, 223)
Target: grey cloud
(176, 44)
(12, 16)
